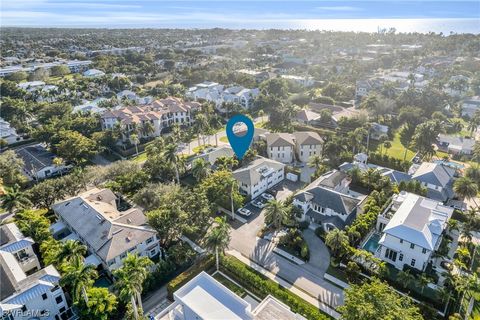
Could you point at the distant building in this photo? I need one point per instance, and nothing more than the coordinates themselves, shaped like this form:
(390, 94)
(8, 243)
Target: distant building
(470, 106)
(38, 162)
(73, 65)
(378, 130)
(26, 290)
(212, 154)
(303, 81)
(259, 176)
(203, 297)
(412, 229)
(307, 117)
(95, 219)
(437, 178)
(8, 133)
(90, 106)
(280, 147)
(93, 73)
(219, 94)
(455, 144)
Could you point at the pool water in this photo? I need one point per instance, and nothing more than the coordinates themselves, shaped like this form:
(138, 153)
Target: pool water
(102, 282)
(451, 164)
(372, 243)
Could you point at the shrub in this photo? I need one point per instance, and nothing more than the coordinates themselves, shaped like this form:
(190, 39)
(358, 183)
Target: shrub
(262, 286)
(303, 225)
(320, 232)
(203, 265)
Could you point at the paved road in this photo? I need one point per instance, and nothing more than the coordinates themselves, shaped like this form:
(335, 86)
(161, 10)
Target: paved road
(308, 277)
(156, 302)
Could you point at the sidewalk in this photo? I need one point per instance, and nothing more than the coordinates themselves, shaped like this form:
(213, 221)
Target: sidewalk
(312, 300)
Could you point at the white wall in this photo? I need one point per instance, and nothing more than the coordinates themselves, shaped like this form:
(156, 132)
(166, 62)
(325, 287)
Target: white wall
(281, 154)
(396, 244)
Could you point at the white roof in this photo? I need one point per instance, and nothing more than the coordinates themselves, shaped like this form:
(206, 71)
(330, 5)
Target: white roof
(418, 220)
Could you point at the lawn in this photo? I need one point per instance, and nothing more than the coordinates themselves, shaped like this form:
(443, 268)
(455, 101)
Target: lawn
(140, 158)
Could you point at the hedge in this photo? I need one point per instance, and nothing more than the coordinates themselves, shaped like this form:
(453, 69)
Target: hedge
(203, 265)
(262, 286)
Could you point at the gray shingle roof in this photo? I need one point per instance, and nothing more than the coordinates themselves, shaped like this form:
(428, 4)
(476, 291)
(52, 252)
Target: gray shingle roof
(279, 140)
(250, 174)
(434, 173)
(331, 199)
(307, 137)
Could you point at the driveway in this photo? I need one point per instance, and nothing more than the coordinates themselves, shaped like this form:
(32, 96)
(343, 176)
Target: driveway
(286, 188)
(319, 255)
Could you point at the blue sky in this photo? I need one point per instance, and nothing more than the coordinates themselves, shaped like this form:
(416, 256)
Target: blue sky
(230, 14)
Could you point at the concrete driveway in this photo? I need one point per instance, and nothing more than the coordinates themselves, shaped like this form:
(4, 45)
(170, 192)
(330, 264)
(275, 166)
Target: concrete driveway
(319, 254)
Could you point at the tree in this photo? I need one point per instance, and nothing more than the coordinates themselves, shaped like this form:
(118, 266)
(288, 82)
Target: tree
(34, 224)
(78, 276)
(98, 305)
(405, 278)
(387, 145)
(423, 281)
(70, 252)
(218, 189)
(200, 169)
(14, 199)
(275, 213)
(75, 147)
(376, 300)
(466, 188)
(218, 237)
(172, 157)
(135, 140)
(406, 135)
(130, 278)
(337, 241)
(59, 71)
(473, 173)
(18, 76)
(317, 162)
(11, 167)
(425, 136)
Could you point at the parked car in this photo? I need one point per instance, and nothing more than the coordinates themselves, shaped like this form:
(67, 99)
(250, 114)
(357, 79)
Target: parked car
(258, 203)
(267, 196)
(244, 212)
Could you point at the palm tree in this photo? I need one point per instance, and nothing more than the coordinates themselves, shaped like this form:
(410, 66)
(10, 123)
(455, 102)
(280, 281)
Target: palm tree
(14, 199)
(78, 276)
(71, 251)
(136, 141)
(58, 162)
(201, 125)
(474, 123)
(275, 213)
(200, 169)
(147, 128)
(423, 281)
(315, 162)
(466, 188)
(337, 241)
(172, 157)
(405, 278)
(387, 145)
(130, 278)
(218, 237)
(215, 123)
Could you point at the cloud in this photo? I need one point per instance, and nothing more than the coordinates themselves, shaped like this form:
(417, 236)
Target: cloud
(339, 8)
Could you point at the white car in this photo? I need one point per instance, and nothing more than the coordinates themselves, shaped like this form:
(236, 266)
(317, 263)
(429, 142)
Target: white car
(258, 203)
(244, 212)
(267, 196)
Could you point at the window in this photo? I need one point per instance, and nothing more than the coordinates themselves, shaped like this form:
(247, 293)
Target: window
(401, 240)
(62, 309)
(412, 263)
(59, 299)
(111, 262)
(153, 252)
(400, 257)
(390, 254)
(424, 250)
(150, 240)
(123, 255)
(412, 246)
(44, 296)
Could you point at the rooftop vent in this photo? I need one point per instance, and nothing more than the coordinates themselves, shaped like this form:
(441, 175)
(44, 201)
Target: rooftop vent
(129, 220)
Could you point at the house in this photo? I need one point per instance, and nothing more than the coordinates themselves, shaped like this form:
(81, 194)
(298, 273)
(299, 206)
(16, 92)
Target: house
(412, 228)
(303, 81)
(27, 291)
(93, 73)
(307, 117)
(470, 106)
(90, 106)
(109, 232)
(212, 154)
(455, 144)
(378, 130)
(161, 114)
(338, 112)
(307, 145)
(204, 297)
(259, 175)
(328, 201)
(38, 162)
(280, 147)
(8, 133)
(438, 179)
(219, 94)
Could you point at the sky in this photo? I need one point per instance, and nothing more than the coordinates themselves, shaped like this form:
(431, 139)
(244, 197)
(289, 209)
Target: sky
(231, 14)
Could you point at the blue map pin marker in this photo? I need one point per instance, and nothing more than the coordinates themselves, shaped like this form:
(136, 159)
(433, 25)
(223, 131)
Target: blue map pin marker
(240, 144)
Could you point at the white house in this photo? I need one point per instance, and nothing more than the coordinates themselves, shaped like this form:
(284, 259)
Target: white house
(38, 162)
(412, 230)
(280, 147)
(205, 298)
(303, 81)
(90, 106)
(260, 175)
(27, 291)
(307, 145)
(328, 201)
(8, 133)
(93, 73)
(161, 114)
(455, 144)
(94, 219)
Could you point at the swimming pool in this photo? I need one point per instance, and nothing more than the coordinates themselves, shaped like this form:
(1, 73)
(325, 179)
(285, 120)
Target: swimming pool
(451, 164)
(372, 243)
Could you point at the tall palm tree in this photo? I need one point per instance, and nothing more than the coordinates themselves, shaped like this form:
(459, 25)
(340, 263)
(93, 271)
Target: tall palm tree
(215, 124)
(200, 169)
(147, 128)
(218, 237)
(171, 156)
(201, 125)
(130, 278)
(405, 278)
(136, 141)
(337, 241)
(275, 213)
(78, 276)
(466, 188)
(71, 251)
(14, 199)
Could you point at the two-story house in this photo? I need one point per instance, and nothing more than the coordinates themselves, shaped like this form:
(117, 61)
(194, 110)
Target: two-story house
(260, 175)
(94, 219)
(280, 147)
(26, 290)
(328, 201)
(307, 145)
(438, 179)
(412, 228)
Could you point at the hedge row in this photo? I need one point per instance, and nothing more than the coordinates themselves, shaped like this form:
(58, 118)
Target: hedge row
(203, 265)
(261, 286)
